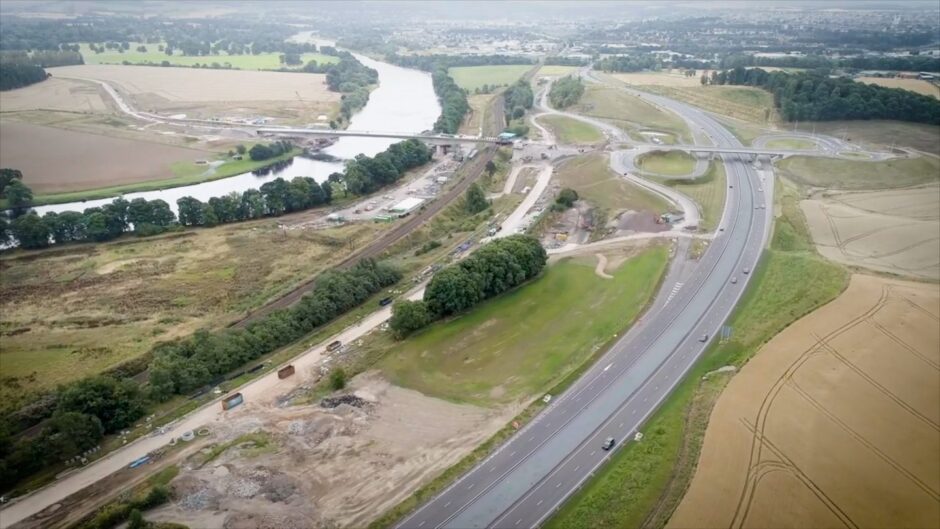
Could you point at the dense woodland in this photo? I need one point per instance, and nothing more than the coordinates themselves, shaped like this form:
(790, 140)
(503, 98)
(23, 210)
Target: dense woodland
(814, 97)
(454, 105)
(517, 99)
(430, 63)
(496, 267)
(566, 92)
(18, 75)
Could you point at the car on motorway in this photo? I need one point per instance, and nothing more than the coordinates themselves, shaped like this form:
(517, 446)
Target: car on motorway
(608, 443)
(734, 280)
(704, 338)
(746, 270)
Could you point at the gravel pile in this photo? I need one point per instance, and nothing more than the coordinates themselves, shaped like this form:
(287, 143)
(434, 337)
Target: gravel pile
(352, 400)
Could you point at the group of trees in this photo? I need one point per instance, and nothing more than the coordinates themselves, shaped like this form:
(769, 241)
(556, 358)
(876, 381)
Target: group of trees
(815, 97)
(565, 199)
(260, 151)
(431, 63)
(272, 199)
(363, 175)
(911, 63)
(349, 77)
(557, 60)
(454, 105)
(628, 63)
(516, 100)
(144, 217)
(496, 267)
(474, 200)
(81, 413)
(17, 75)
(185, 365)
(84, 413)
(566, 91)
(366, 174)
(43, 58)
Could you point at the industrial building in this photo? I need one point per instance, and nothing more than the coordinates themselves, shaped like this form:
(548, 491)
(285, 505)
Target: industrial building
(406, 206)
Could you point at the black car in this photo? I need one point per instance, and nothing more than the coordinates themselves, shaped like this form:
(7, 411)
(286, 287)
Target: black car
(384, 301)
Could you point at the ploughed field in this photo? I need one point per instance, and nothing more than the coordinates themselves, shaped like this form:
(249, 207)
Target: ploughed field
(835, 422)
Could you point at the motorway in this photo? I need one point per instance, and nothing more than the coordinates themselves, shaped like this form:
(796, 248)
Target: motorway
(531, 475)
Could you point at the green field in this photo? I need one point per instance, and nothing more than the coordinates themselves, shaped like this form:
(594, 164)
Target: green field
(473, 77)
(669, 163)
(187, 173)
(745, 103)
(614, 104)
(571, 131)
(595, 182)
(708, 191)
(262, 61)
(850, 174)
(556, 70)
(644, 482)
(491, 355)
(794, 144)
(920, 136)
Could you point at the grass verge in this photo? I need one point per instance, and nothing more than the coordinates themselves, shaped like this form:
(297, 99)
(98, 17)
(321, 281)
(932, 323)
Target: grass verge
(572, 131)
(671, 163)
(850, 174)
(708, 191)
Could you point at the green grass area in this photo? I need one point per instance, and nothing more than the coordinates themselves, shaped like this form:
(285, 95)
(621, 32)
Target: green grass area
(187, 173)
(850, 174)
(556, 70)
(708, 191)
(794, 144)
(880, 133)
(645, 481)
(473, 77)
(748, 104)
(611, 103)
(571, 131)
(595, 182)
(491, 355)
(670, 163)
(261, 61)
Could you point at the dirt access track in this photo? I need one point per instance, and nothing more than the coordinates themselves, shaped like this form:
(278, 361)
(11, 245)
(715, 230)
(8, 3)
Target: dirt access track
(835, 422)
(896, 231)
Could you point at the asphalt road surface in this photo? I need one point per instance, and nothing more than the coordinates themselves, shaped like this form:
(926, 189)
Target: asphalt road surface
(528, 478)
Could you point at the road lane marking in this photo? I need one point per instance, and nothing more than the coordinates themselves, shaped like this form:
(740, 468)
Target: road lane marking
(539, 503)
(471, 486)
(422, 523)
(558, 485)
(608, 367)
(518, 521)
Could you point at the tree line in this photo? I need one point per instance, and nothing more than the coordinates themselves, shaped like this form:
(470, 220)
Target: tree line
(18, 75)
(496, 267)
(260, 151)
(628, 63)
(566, 91)
(912, 63)
(454, 105)
(349, 77)
(362, 175)
(84, 411)
(516, 100)
(430, 63)
(557, 60)
(815, 97)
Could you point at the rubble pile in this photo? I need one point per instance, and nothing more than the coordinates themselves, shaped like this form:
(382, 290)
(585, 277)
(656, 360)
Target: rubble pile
(352, 400)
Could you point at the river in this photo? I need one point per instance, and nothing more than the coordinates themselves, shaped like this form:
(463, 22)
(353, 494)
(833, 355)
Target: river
(403, 102)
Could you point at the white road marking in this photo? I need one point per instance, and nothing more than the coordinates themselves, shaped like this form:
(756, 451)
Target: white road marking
(608, 367)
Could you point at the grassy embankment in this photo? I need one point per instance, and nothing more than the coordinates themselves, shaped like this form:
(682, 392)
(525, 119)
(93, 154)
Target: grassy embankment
(850, 174)
(187, 173)
(472, 77)
(630, 113)
(794, 144)
(609, 194)
(519, 358)
(261, 61)
(879, 133)
(644, 482)
(571, 131)
(708, 191)
(751, 105)
(669, 163)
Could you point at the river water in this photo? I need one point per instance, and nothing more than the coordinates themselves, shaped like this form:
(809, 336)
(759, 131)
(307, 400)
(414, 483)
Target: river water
(403, 102)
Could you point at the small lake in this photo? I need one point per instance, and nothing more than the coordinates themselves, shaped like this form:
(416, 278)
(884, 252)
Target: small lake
(403, 102)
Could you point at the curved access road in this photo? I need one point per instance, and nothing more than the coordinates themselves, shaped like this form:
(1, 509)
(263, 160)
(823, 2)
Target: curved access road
(528, 477)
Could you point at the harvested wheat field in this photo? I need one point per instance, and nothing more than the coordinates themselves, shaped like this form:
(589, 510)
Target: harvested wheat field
(914, 85)
(214, 93)
(55, 160)
(319, 467)
(66, 95)
(835, 423)
(665, 78)
(894, 231)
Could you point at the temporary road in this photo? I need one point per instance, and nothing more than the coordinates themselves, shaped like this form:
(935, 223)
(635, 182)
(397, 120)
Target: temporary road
(531, 475)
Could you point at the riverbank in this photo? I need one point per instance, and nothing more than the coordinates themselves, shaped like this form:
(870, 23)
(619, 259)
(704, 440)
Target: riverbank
(182, 169)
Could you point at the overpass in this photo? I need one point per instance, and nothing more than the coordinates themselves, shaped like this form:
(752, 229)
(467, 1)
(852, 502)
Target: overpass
(330, 133)
(756, 151)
